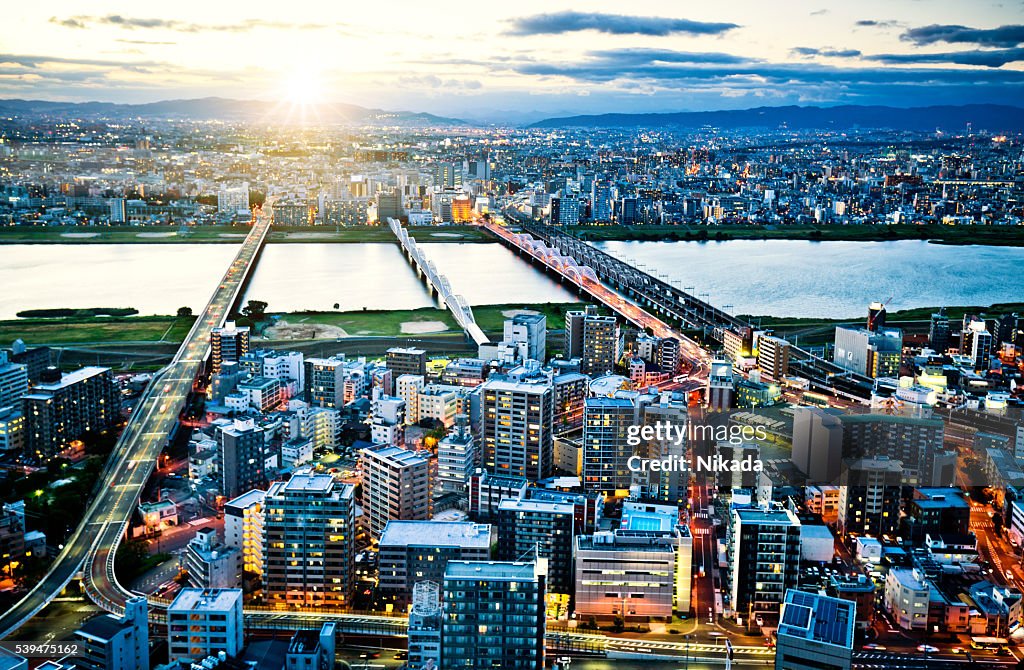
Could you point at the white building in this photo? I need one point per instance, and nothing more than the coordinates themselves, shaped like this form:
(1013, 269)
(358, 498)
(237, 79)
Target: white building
(202, 622)
(907, 593)
(243, 528)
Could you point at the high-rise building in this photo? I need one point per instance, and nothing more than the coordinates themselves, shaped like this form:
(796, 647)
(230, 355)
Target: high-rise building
(565, 210)
(413, 551)
(816, 632)
(914, 441)
(13, 381)
(773, 356)
(229, 343)
(233, 201)
(241, 456)
(456, 458)
(517, 431)
(592, 338)
(869, 496)
(721, 388)
(211, 564)
(530, 332)
(406, 361)
(606, 447)
(309, 542)
(12, 430)
(818, 443)
(493, 616)
(938, 332)
(243, 529)
(876, 317)
(570, 394)
(601, 202)
(116, 643)
(397, 485)
(61, 409)
(764, 561)
(544, 526)
(203, 622)
(325, 381)
(389, 206)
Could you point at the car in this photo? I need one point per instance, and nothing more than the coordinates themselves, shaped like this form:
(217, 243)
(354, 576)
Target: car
(401, 656)
(957, 650)
(874, 647)
(927, 649)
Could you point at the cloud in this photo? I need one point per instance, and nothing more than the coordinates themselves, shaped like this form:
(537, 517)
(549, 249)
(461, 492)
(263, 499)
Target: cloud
(613, 24)
(435, 82)
(1003, 36)
(872, 23)
(149, 42)
(646, 55)
(982, 57)
(135, 23)
(829, 53)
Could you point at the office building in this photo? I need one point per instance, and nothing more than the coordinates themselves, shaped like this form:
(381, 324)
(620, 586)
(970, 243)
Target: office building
(312, 650)
(916, 441)
(109, 642)
(656, 584)
(493, 616)
(529, 333)
(871, 353)
(565, 210)
(773, 357)
(869, 496)
(517, 432)
(397, 485)
(487, 490)
(61, 409)
(424, 633)
(543, 526)
(764, 561)
(241, 456)
(414, 551)
(211, 564)
(406, 361)
(592, 338)
(243, 529)
(13, 381)
(229, 343)
(309, 542)
(389, 206)
(325, 382)
(816, 632)
(818, 443)
(456, 458)
(938, 332)
(203, 622)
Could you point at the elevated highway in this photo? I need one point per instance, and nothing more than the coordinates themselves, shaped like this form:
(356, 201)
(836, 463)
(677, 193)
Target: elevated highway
(93, 544)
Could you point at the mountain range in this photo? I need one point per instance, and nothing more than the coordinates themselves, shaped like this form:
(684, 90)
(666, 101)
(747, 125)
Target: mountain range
(222, 109)
(945, 117)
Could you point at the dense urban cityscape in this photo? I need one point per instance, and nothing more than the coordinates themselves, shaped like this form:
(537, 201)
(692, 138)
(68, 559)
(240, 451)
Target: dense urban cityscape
(353, 388)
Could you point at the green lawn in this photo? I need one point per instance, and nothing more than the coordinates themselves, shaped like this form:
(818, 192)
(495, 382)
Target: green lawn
(96, 329)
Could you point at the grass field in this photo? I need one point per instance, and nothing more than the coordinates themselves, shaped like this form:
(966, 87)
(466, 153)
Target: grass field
(991, 235)
(95, 329)
(922, 314)
(225, 234)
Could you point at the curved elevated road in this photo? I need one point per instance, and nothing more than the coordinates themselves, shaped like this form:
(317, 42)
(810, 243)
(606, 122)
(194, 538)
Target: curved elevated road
(129, 467)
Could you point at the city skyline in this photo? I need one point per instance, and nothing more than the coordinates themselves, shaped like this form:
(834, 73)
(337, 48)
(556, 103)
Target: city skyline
(520, 64)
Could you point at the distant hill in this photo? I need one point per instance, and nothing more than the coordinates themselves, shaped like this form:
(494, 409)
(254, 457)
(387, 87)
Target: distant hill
(946, 117)
(223, 109)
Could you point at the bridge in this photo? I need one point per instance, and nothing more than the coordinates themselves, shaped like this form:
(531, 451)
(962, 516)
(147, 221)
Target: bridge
(437, 284)
(93, 544)
(678, 306)
(587, 280)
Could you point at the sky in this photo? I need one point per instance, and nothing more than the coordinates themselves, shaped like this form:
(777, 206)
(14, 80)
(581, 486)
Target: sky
(509, 61)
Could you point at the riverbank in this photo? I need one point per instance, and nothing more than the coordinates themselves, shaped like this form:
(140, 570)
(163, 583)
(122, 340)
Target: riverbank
(230, 234)
(1012, 236)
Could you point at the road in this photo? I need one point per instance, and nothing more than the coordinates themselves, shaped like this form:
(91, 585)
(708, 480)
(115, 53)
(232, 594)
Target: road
(132, 461)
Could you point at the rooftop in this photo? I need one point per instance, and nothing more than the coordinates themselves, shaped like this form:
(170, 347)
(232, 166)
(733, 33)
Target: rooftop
(548, 506)
(774, 516)
(436, 534)
(491, 570)
(71, 378)
(824, 619)
(213, 600)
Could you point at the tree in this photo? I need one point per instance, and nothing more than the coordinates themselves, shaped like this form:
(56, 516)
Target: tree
(337, 305)
(255, 309)
(184, 312)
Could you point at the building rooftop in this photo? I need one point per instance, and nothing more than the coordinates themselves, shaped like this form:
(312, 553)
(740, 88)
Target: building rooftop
(548, 506)
(436, 534)
(396, 454)
(774, 516)
(309, 483)
(213, 600)
(824, 619)
(246, 499)
(70, 378)
(103, 627)
(491, 570)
